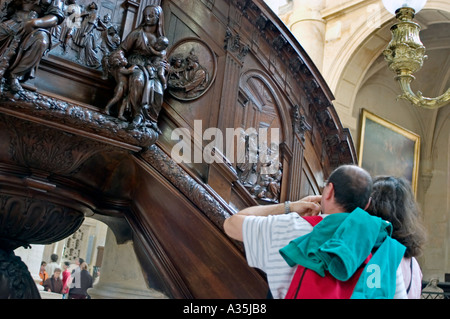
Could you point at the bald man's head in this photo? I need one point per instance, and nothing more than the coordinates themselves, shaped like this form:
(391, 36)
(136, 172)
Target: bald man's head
(352, 187)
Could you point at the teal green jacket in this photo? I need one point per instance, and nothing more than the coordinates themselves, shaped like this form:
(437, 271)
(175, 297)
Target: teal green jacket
(341, 243)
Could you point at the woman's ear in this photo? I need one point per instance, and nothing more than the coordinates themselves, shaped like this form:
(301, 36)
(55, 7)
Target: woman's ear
(368, 204)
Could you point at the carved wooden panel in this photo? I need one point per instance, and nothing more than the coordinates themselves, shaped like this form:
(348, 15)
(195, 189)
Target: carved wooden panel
(252, 73)
(258, 109)
(207, 263)
(44, 149)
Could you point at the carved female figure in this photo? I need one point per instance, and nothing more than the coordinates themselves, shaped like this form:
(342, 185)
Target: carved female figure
(196, 76)
(84, 38)
(71, 24)
(25, 37)
(145, 88)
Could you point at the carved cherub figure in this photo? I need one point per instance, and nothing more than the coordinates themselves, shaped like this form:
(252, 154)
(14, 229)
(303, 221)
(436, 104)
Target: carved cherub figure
(159, 57)
(119, 70)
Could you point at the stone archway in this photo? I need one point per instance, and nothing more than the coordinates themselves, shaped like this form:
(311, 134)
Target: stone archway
(364, 81)
(363, 49)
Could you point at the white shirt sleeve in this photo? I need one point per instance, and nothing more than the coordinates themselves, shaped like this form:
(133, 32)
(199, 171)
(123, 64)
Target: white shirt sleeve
(264, 236)
(256, 234)
(400, 290)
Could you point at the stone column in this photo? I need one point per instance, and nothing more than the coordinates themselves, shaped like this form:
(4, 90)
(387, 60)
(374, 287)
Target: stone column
(121, 276)
(307, 25)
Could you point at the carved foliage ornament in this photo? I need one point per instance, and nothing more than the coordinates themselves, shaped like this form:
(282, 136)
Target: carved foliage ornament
(78, 117)
(233, 44)
(25, 220)
(49, 150)
(299, 121)
(186, 184)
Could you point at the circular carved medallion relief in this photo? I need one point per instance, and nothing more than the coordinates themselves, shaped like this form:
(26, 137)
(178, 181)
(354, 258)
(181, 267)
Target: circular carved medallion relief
(192, 69)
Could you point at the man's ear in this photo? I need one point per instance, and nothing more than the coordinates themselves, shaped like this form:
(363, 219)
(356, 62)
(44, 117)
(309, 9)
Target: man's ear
(328, 191)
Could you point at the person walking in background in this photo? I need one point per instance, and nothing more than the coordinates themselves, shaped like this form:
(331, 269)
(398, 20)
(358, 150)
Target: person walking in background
(82, 281)
(66, 279)
(43, 273)
(393, 200)
(54, 283)
(50, 268)
(75, 279)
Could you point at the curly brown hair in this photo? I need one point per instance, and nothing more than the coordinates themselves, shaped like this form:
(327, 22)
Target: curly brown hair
(393, 200)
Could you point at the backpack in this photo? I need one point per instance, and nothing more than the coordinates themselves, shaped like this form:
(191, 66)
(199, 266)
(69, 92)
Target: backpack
(307, 284)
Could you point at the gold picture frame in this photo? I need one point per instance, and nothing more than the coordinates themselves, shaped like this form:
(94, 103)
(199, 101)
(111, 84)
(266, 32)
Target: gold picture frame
(386, 148)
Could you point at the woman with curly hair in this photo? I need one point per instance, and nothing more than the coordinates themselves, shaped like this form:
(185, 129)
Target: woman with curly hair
(393, 200)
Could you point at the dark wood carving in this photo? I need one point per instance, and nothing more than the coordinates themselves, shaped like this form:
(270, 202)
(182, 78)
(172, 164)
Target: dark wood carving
(75, 118)
(187, 185)
(299, 122)
(25, 220)
(192, 70)
(234, 44)
(25, 37)
(88, 35)
(143, 67)
(42, 148)
(227, 63)
(16, 281)
(83, 36)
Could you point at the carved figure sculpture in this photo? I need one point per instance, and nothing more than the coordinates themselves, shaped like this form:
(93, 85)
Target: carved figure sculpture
(110, 41)
(259, 170)
(25, 37)
(196, 76)
(71, 23)
(145, 94)
(117, 67)
(84, 37)
(247, 166)
(188, 76)
(158, 60)
(177, 69)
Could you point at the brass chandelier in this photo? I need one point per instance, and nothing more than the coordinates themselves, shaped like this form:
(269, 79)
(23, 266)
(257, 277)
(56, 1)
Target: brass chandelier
(405, 53)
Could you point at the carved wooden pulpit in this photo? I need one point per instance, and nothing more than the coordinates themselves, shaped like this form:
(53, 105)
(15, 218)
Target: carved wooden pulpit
(161, 120)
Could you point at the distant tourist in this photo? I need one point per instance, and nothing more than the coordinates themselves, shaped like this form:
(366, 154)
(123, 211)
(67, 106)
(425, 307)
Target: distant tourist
(43, 273)
(66, 276)
(82, 281)
(54, 283)
(50, 268)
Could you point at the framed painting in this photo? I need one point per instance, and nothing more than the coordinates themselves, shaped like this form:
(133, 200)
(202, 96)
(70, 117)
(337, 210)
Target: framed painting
(388, 149)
